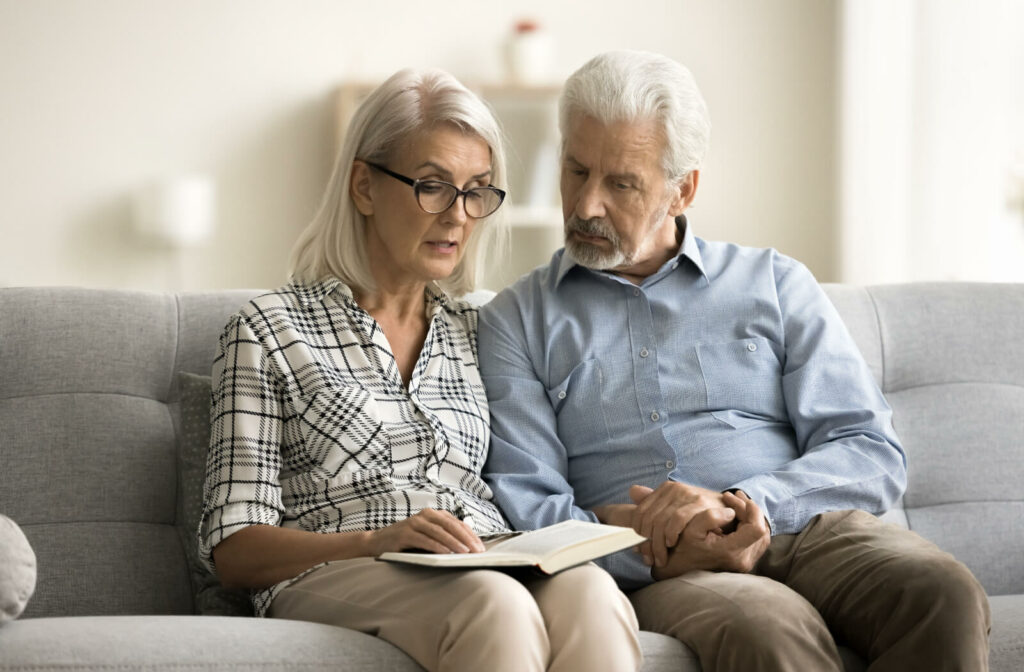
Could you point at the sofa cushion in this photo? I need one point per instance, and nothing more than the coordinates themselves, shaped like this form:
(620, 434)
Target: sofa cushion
(17, 570)
(211, 598)
(192, 643)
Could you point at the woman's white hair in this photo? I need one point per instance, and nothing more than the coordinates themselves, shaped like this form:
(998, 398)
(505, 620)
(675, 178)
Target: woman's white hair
(411, 100)
(632, 86)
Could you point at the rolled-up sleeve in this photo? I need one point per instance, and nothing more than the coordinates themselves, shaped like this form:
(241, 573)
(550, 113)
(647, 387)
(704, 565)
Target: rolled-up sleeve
(242, 485)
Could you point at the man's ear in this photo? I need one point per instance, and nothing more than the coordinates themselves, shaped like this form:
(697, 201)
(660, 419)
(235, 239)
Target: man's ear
(686, 190)
(359, 187)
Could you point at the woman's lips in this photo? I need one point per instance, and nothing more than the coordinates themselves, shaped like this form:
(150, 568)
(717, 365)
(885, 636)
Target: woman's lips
(443, 246)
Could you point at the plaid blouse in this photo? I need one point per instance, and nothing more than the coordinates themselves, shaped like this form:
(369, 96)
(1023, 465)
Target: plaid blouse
(313, 427)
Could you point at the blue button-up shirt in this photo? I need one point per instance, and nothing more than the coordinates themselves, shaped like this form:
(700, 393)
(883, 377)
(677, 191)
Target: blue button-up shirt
(727, 368)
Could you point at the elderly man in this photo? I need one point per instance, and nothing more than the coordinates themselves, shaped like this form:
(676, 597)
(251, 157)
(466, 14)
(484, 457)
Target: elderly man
(709, 396)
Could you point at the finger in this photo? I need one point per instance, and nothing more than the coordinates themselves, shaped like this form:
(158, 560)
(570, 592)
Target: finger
(455, 527)
(707, 521)
(638, 492)
(441, 530)
(755, 517)
(414, 539)
(733, 501)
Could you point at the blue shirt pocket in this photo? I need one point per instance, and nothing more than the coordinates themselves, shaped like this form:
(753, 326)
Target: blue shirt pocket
(576, 401)
(743, 381)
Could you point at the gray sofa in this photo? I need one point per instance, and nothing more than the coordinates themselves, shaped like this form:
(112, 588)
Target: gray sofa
(93, 468)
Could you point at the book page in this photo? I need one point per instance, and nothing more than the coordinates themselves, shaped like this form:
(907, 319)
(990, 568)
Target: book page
(540, 542)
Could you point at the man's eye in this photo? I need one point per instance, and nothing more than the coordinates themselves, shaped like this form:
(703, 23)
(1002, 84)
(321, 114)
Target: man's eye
(622, 186)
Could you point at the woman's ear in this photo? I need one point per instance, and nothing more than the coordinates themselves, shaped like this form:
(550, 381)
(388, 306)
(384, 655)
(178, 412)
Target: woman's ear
(359, 187)
(686, 191)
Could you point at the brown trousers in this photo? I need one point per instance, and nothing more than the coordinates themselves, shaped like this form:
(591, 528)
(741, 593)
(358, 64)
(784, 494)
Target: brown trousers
(575, 621)
(884, 592)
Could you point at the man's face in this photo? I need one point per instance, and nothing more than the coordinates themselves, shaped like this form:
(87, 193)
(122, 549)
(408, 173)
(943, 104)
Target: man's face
(617, 205)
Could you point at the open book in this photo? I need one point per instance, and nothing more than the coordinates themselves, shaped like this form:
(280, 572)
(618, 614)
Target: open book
(549, 549)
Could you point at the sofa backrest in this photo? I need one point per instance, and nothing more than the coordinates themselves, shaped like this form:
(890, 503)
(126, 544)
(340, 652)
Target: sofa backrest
(88, 424)
(89, 429)
(949, 358)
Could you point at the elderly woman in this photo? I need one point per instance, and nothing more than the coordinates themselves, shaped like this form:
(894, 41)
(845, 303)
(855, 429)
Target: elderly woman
(350, 419)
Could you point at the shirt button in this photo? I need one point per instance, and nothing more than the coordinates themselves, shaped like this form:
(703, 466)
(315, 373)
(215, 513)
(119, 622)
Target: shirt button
(561, 394)
(675, 265)
(636, 292)
(643, 352)
(654, 416)
(752, 346)
(669, 464)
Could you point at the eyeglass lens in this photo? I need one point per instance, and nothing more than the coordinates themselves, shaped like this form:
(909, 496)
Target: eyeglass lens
(435, 197)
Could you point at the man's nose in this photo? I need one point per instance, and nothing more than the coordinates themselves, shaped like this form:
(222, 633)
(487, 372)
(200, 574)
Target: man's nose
(591, 202)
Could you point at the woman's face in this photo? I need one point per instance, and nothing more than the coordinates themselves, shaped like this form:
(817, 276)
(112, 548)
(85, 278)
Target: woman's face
(407, 245)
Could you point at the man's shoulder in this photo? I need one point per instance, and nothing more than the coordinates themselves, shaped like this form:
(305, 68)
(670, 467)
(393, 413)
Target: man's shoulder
(528, 291)
(720, 257)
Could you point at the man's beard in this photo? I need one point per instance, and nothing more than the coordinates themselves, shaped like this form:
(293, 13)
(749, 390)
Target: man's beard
(599, 259)
(588, 254)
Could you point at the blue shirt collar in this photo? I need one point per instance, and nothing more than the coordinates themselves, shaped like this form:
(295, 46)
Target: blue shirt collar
(687, 250)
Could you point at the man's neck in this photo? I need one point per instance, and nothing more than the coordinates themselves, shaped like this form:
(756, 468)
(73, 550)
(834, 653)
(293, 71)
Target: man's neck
(661, 251)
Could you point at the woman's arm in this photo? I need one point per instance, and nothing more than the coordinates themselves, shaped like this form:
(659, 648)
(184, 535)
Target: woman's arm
(259, 556)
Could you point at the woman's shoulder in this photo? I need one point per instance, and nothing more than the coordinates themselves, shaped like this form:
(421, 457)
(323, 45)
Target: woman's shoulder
(279, 308)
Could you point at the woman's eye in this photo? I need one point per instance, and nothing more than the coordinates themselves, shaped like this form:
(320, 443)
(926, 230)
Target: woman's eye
(430, 187)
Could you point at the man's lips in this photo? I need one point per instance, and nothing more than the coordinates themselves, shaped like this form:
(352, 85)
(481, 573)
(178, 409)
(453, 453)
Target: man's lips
(587, 238)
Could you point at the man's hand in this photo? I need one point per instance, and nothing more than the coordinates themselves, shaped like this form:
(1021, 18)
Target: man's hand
(704, 546)
(615, 514)
(661, 515)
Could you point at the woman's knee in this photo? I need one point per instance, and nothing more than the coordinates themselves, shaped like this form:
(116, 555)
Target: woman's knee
(493, 599)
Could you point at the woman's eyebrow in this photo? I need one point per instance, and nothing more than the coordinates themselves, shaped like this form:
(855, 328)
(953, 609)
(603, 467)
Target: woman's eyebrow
(444, 171)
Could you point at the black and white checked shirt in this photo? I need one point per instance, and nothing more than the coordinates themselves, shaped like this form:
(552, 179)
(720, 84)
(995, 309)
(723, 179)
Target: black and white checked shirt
(313, 427)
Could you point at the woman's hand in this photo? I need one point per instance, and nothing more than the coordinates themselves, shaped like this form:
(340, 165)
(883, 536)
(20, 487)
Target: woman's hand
(428, 530)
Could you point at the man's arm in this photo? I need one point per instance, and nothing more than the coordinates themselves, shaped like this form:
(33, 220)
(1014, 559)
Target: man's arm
(850, 457)
(528, 466)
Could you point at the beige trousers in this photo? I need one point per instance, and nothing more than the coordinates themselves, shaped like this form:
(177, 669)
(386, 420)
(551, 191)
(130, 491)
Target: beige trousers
(577, 620)
(886, 593)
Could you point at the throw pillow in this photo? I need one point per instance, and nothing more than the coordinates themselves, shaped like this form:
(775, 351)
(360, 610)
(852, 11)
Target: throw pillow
(211, 598)
(17, 570)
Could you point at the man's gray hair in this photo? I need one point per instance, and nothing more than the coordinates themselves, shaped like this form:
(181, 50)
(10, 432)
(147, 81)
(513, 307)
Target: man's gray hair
(411, 100)
(632, 86)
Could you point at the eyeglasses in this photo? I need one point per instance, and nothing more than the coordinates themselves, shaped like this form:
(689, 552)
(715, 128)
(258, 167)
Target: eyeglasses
(435, 196)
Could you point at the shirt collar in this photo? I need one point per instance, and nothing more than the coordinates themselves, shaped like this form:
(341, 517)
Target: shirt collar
(688, 249)
(316, 292)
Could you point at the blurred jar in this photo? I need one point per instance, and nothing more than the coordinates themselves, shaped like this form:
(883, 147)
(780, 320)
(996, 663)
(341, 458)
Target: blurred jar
(528, 54)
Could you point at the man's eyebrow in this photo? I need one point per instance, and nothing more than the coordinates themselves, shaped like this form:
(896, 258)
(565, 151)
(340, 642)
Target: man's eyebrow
(444, 171)
(626, 177)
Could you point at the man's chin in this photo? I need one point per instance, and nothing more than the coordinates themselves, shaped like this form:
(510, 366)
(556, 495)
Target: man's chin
(592, 256)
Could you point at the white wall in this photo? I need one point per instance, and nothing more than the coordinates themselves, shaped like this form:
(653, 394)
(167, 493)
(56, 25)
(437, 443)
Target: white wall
(933, 140)
(98, 98)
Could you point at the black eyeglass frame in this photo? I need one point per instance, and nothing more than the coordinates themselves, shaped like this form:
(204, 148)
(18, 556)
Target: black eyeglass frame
(416, 183)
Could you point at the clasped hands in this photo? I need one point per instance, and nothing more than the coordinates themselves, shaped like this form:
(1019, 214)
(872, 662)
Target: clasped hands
(690, 528)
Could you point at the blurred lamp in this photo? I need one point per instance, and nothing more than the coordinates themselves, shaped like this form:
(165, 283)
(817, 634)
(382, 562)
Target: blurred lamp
(176, 212)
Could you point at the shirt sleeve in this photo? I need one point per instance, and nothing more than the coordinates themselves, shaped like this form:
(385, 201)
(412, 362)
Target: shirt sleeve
(527, 467)
(849, 455)
(243, 466)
